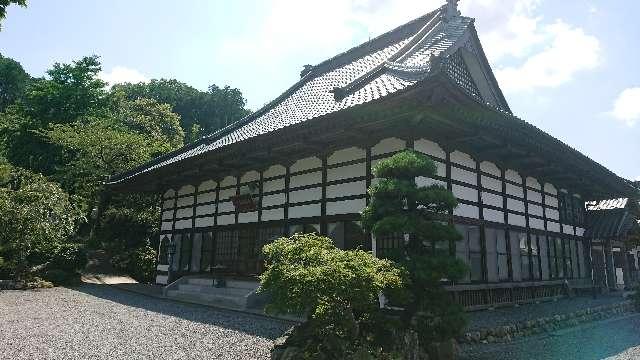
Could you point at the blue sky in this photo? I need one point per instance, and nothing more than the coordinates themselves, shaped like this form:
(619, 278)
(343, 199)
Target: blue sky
(569, 67)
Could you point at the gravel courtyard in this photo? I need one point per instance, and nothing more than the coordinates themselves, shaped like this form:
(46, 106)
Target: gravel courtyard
(101, 322)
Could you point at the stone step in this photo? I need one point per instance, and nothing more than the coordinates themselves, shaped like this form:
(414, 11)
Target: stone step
(235, 302)
(200, 281)
(214, 290)
(243, 284)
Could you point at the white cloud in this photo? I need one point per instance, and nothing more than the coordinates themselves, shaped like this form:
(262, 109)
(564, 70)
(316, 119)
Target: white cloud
(569, 51)
(121, 74)
(626, 107)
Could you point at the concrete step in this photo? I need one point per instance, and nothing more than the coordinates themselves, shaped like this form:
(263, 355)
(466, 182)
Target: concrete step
(214, 290)
(200, 281)
(243, 284)
(235, 302)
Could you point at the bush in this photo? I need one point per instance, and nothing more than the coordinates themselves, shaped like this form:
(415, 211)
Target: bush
(61, 278)
(138, 263)
(69, 257)
(338, 290)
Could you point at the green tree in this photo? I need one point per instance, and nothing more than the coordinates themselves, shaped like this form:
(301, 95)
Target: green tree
(13, 81)
(337, 289)
(201, 111)
(398, 206)
(35, 214)
(3, 7)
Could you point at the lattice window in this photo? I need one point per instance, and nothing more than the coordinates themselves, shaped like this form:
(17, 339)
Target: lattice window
(459, 72)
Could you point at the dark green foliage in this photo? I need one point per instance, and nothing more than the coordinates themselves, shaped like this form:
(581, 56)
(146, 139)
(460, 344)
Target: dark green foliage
(13, 82)
(338, 290)
(399, 206)
(138, 263)
(201, 112)
(61, 278)
(5, 3)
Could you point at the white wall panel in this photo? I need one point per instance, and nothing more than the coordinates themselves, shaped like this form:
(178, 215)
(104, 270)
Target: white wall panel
(226, 207)
(167, 215)
(344, 155)
(516, 205)
(345, 207)
(305, 179)
(206, 197)
(465, 193)
(490, 168)
(187, 189)
(186, 212)
(346, 172)
(533, 183)
(227, 193)
(493, 215)
(430, 148)
(273, 185)
(250, 176)
(206, 209)
(533, 195)
(183, 224)
(492, 199)
(388, 145)
(425, 181)
(535, 223)
(464, 175)
(534, 209)
(347, 189)
(306, 164)
(567, 229)
(552, 214)
(273, 199)
(553, 226)
(185, 201)
(204, 222)
(167, 204)
(166, 225)
(305, 195)
(517, 220)
(227, 219)
(274, 170)
(248, 217)
(551, 201)
(228, 181)
(514, 190)
(579, 231)
(162, 279)
(549, 188)
(461, 158)
(272, 214)
(207, 185)
(169, 194)
(512, 175)
(465, 210)
(304, 211)
(441, 168)
(491, 183)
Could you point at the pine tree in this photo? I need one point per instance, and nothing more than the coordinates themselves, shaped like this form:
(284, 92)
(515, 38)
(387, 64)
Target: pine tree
(399, 207)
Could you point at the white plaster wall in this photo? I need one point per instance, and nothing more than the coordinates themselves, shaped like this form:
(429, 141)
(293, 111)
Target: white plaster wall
(206, 209)
(204, 222)
(517, 220)
(492, 199)
(464, 175)
(512, 175)
(273, 214)
(273, 185)
(183, 224)
(344, 155)
(579, 231)
(188, 200)
(465, 193)
(186, 189)
(206, 197)
(490, 168)
(551, 201)
(425, 181)
(345, 207)
(388, 145)
(430, 148)
(465, 210)
(207, 185)
(227, 193)
(567, 229)
(305, 195)
(461, 158)
(167, 204)
(248, 217)
(552, 214)
(273, 199)
(441, 168)
(166, 225)
(516, 205)
(346, 172)
(304, 211)
(514, 190)
(167, 215)
(226, 207)
(493, 215)
(535, 209)
(533, 195)
(250, 176)
(228, 181)
(491, 183)
(553, 226)
(305, 179)
(306, 164)
(535, 223)
(533, 182)
(226, 219)
(186, 212)
(346, 189)
(162, 279)
(549, 188)
(274, 170)
(169, 193)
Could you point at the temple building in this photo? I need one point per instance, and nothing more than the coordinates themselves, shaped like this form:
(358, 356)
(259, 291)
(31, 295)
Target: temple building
(303, 162)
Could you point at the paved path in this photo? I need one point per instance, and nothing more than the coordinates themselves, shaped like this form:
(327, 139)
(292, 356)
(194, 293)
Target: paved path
(102, 322)
(615, 339)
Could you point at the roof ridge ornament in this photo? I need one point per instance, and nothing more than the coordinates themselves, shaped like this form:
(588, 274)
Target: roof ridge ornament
(451, 10)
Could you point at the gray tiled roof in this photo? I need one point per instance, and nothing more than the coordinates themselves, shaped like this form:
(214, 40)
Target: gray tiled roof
(378, 68)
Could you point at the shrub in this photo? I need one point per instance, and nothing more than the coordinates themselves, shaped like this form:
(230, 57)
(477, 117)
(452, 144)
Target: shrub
(338, 291)
(68, 257)
(61, 278)
(138, 263)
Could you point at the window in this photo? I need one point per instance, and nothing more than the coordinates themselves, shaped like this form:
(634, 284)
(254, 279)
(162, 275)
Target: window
(185, 252)
(196, 252)
(525, 269)
(553, 258)
(497, 255)
(559, 257)
(346, 234)
(543, 242)
(469, 249)
(227, 246)
(387, 245)
(163, 258)
(568, 267)
(574, 259)
(516, 261)
(207, 252)
(175, 262)
(535, 257)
